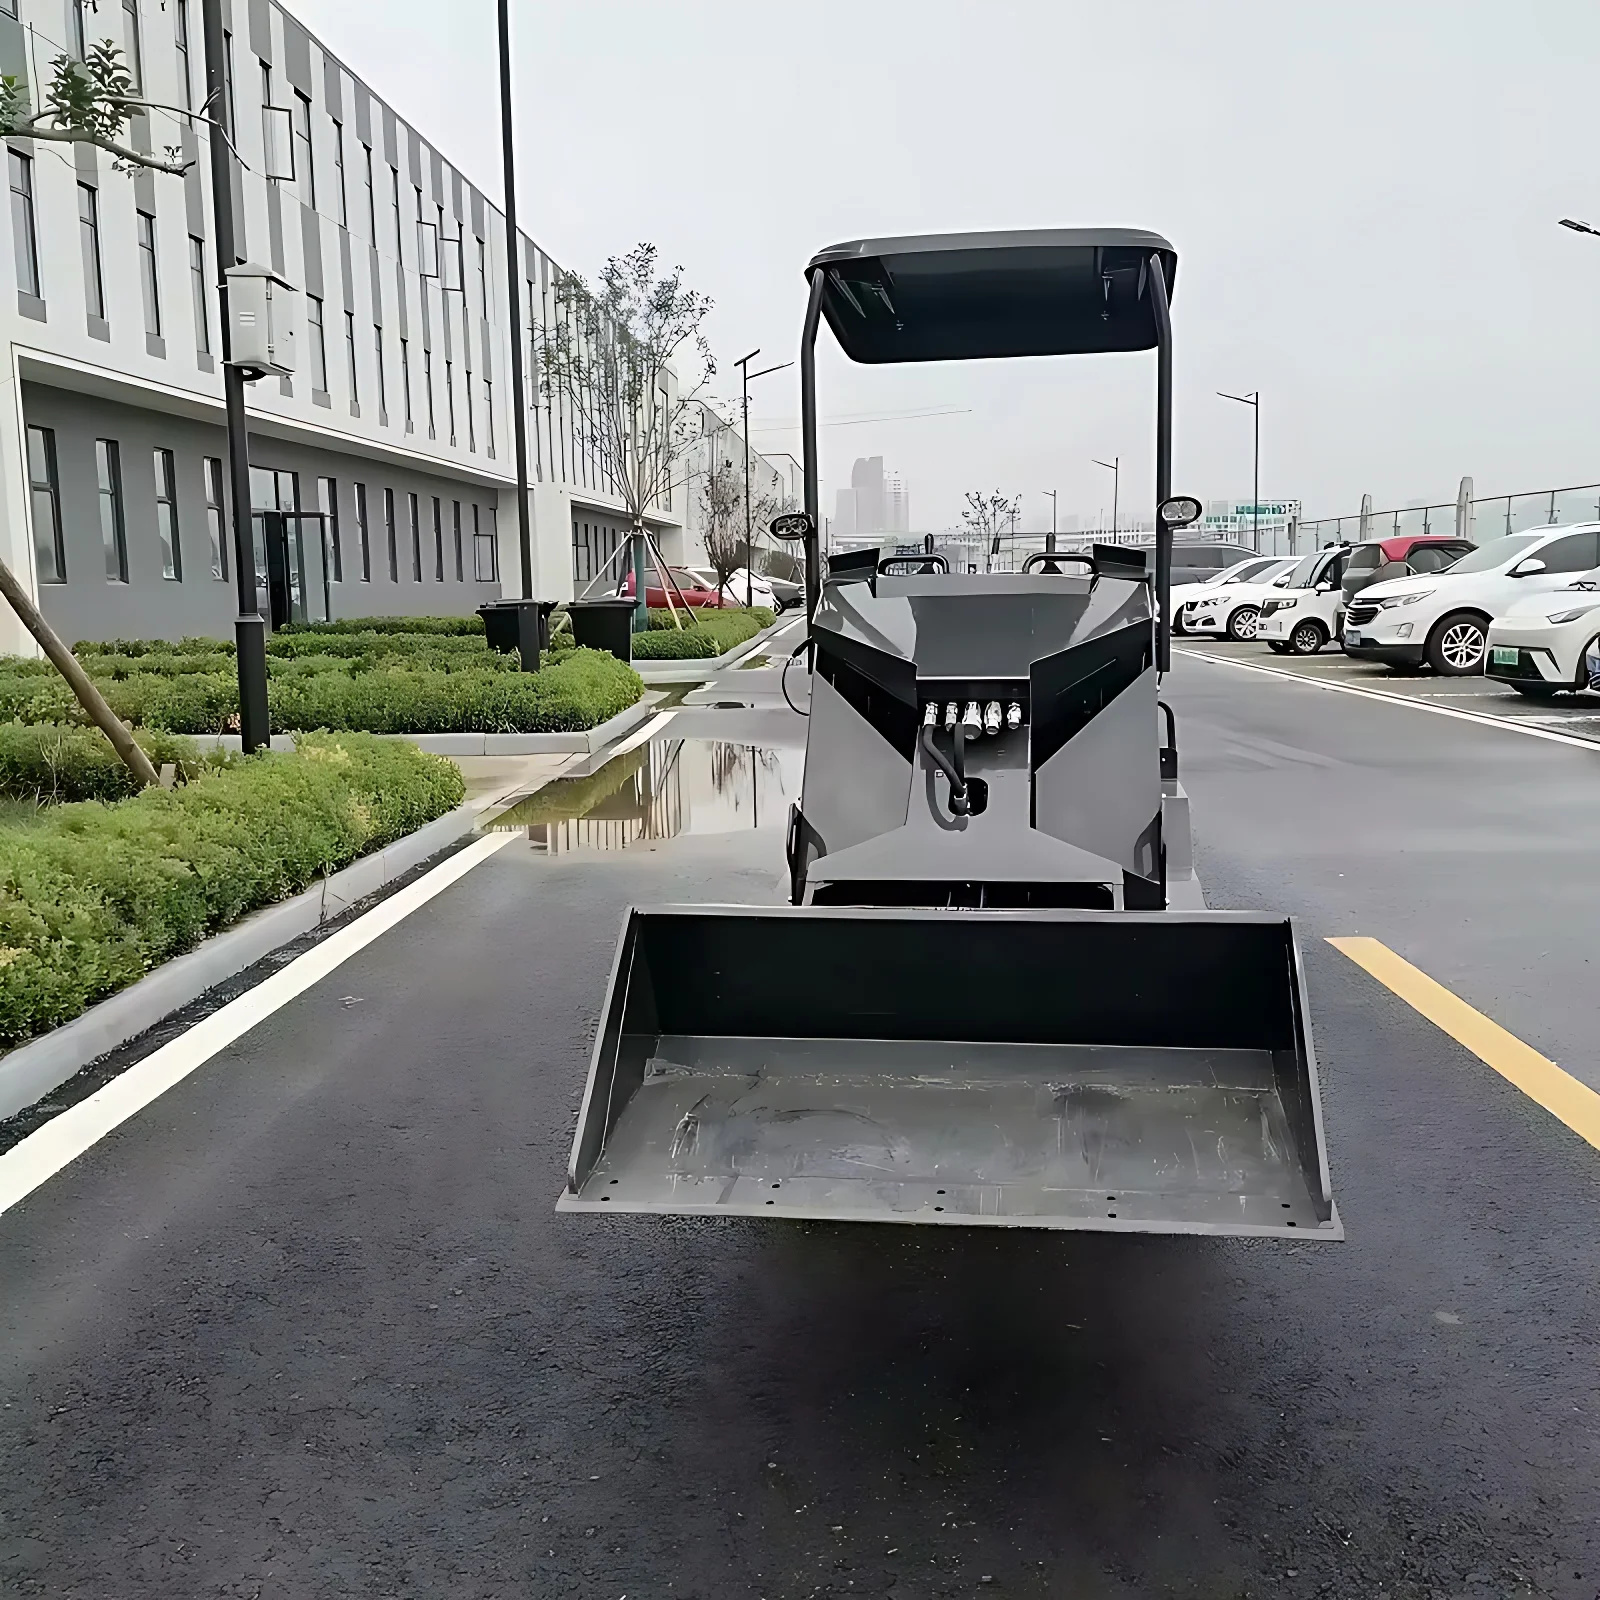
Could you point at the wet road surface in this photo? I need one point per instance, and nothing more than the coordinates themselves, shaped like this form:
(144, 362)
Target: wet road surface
(310, 1326)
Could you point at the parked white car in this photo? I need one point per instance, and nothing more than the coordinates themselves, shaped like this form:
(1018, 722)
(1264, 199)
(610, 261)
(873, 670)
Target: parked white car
(734, 591)
(1228, 603)
(1305, 615)
(1442, 618)
(1548, 642)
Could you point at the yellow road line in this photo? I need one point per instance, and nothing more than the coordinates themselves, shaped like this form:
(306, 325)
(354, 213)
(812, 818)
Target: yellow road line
(1576, 1104)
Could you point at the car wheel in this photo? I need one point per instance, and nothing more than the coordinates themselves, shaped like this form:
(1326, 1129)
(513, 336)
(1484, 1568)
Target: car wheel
(1536, 691)
(1243, 623)
(1308, 637)
(1456, 645)
(1277, 647)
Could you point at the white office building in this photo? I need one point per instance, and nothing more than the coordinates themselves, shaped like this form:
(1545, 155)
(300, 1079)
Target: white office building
(396, 422)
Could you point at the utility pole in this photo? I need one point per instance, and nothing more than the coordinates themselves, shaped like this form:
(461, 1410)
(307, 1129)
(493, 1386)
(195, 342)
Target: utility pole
(1052, 494)
(250, 627)
(1253, 400)
(745, 375)
(1114, 467)
(519, 405)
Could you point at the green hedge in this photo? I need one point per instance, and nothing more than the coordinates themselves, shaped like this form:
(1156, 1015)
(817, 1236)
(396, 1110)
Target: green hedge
(51, 761)
(686, 644)
(93, 896)
(445, 626)
(438, 684)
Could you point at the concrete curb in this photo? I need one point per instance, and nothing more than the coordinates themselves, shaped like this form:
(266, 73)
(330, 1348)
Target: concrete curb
(699, 669)
(32, 1070)
(488, 744)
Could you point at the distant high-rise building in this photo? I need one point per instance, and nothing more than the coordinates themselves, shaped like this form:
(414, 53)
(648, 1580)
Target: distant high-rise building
(873, 504)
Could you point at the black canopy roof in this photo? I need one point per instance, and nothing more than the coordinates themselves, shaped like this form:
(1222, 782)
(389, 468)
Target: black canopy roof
(961, 296)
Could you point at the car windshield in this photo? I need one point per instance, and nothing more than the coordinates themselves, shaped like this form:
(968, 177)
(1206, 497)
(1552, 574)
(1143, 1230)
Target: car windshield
(1248, 570)
(1494, 554)
(1304, 574)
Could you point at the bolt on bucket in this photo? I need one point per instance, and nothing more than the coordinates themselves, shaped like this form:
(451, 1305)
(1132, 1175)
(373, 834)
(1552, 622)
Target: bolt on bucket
(1117, 1071)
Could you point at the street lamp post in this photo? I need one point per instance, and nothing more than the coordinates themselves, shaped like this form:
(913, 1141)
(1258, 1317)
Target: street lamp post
(1578, 227)
(745, 375)
(1052, 494)
(519, 401)
(250, 628)
(1114, 467)
(1253, 400)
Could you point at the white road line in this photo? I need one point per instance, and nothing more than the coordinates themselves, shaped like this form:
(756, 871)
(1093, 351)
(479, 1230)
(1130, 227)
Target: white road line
(64, 1138)
(1511, 725)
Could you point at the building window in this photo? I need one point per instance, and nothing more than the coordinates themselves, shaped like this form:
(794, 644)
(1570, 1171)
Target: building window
(391, 540)
(405, 379)
(363, 539)
(438, 540)
(328, 503)
(305, 171)
(167, 516)
(472, 432)
(394, 200)
(22, 236)
(147, 272)
(319, 343)
(427, 384)
(340, 210)
(483, 279)
(450, 395)
(372, 204)
(197, 293)
(485, 549)
(488, 413)
(227, 82)
(89, 242)
(269, 133)
(350, 357)
(130, 38)
(455, 506)
(383, 395)
(108, 468)
(216, 517)
(44, 486)
(414, 507)
(180, 33)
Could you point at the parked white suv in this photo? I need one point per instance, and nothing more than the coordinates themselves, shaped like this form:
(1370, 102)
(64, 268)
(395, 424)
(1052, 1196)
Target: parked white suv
(1442, 618)
(1230, 606)
(1548, 642)
(1304, 616)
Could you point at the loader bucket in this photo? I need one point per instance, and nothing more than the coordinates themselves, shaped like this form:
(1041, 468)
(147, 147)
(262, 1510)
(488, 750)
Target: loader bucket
(1117, 1071)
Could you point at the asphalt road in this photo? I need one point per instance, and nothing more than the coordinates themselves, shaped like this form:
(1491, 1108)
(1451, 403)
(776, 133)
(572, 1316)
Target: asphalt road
(309, 1325)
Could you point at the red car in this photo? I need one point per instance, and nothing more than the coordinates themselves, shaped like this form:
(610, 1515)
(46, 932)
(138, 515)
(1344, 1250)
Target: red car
(688, 590)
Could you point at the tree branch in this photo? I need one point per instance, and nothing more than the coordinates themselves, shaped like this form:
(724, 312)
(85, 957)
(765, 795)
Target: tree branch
(83, 136)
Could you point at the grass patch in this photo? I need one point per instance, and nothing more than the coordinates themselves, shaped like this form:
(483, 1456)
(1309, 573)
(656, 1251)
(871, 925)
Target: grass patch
(53, 762)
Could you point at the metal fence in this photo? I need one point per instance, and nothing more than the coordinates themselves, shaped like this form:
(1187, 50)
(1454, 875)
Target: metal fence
(1476, 518)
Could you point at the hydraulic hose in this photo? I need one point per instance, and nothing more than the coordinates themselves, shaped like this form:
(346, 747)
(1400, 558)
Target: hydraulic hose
(954, 771)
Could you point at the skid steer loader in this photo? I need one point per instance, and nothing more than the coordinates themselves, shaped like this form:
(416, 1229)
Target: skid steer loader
(1003, 999)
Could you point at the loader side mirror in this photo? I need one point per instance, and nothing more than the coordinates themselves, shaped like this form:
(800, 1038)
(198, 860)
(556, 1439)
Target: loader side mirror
(792, 525)
(1180, 511)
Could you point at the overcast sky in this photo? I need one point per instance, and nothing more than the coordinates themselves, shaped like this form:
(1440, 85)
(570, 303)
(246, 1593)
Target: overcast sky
(1363, 197)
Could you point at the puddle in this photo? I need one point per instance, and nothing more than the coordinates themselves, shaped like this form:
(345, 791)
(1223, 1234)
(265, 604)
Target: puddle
(664, 788)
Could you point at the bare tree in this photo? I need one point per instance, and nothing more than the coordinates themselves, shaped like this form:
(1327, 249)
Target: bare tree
(608, 352)
(986, 514)
(722, 508)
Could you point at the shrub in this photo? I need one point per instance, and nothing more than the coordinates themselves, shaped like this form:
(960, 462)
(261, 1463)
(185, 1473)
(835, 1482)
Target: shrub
(666, 644)
(725, 626)
(92, 896)
(580, 690)
(52, 761)
(445, 626)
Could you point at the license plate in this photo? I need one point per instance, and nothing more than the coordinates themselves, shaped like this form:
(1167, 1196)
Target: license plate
(1353, 639)
(1504, 655)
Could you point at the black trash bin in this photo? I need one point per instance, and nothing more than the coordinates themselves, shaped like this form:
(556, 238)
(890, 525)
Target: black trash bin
(518, 627)
(604, 625)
